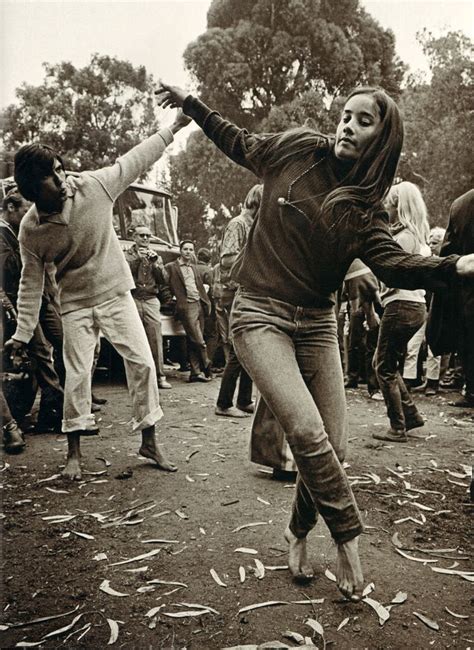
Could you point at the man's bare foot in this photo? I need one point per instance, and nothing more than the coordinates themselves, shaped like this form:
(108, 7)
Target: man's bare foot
(72, 471)
(349, 571)
(300, 568)
(153, 451)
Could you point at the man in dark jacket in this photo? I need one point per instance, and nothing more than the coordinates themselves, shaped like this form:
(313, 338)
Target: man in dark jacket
(50, 409)
(192, 305)
(451, 323)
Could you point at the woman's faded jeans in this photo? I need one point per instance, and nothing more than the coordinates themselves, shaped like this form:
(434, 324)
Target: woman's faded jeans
(292, 355)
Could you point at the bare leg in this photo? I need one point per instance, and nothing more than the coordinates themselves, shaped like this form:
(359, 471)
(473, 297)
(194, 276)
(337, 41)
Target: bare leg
(150, 449)
(349, 571)
(72, 471)
(300, 568)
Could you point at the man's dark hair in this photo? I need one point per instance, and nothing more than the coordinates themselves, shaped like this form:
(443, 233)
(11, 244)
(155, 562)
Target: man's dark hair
(32, 163)
(185, 241)
(204, 255)
(12, 198)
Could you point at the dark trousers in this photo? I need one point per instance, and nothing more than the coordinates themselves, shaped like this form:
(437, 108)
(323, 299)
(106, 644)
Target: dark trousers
(192, 318)
(360, 353)
(400, 321)
(52, 327)
(233, 370)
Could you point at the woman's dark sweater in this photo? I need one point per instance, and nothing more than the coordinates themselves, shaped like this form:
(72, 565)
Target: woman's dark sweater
(294, 252)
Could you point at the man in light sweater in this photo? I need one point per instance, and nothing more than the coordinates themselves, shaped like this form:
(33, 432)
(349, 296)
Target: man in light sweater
(71, 225)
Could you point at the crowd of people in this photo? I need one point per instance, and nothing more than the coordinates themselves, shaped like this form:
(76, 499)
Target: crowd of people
(325, 270)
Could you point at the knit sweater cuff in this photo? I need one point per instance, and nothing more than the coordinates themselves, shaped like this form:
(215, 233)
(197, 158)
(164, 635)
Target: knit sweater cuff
(166, 135)
(195, 108)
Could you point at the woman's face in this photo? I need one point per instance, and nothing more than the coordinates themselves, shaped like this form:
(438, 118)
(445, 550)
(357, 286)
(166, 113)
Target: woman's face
(359, 126)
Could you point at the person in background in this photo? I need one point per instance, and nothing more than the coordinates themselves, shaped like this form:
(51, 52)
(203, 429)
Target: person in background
(210, 333)
(192, 305)
(232, 244)
(412, 362)
(147, 271)
(43, 372)
(71, 226)
(451, 325)
(404, 313)
(321, 208)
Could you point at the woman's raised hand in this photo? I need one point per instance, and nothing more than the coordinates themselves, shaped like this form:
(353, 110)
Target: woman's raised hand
(171, 96)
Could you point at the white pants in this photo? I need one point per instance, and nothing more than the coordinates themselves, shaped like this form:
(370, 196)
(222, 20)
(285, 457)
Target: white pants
(119, 322)
(433, 364)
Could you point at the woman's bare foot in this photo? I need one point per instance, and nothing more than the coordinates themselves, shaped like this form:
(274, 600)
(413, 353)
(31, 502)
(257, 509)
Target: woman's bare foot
(349, 571)
(300, 568)
(152, 450)
(72, 471)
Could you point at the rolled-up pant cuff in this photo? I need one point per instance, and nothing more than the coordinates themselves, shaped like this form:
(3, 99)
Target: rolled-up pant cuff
(82, 423)
(148, 421)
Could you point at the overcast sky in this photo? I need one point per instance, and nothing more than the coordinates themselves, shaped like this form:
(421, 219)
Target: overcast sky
(155, 33)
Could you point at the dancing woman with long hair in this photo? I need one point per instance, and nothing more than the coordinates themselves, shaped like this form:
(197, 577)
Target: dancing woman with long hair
(321, 208)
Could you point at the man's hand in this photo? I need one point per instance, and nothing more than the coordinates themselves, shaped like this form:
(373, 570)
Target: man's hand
(172, 96)
(180, 121)
(465, 265)
(17, 351)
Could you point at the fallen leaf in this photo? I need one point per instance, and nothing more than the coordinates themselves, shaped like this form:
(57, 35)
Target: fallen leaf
(242, 549)
(314, 625)
(62, 630)
(293, 636)
(399, 598)
(427, 621)
(166, 582)
(50, 478)
(198, 606)
(100, 556)
(268, 603)
(191, 454)
(160, 541)
(267, 503)
(456, 615)
(453, 572)
(343, 623)
(56, 491)
(107, 589)
(181, 514)
(151, 612)
(140, 569)
(309, 601)
(330, 575)
(104, 460)
(368, 589)
(43, 619)
(279, 567)
(256, 523)
(242, 573)
(137, 558)
(260, 569)
(83, 535)
(114, 631)
(191, 612)
(382, 612)
(216, 578)
(189, 479)
(414, 559)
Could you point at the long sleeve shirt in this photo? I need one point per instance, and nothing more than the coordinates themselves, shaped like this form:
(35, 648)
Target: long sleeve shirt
(147, 274)
(80, 240)
(295, 252)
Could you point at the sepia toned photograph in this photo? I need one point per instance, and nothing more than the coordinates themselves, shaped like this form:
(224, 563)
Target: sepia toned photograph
(237, 312)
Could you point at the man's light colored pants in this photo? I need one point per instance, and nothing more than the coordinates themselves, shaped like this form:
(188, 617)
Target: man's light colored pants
(119, 322)
(149, 312)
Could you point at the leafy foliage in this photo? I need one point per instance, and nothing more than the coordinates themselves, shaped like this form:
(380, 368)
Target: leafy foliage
(91, 114)
(439, 124)
(269, 65)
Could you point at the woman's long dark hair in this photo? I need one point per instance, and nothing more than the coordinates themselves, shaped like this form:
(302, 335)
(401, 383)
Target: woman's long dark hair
(370, 178)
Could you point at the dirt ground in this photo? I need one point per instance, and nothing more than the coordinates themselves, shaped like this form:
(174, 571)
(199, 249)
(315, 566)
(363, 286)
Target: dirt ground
(64, 545)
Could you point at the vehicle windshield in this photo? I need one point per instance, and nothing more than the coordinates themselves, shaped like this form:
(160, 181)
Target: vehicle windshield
(141, 207)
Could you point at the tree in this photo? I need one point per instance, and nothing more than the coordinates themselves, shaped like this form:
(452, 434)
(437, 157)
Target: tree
(439, 123)
(91, 114)
(271, 64)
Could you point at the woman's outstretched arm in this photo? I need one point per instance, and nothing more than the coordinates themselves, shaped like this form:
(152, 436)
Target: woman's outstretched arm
(233, 141)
